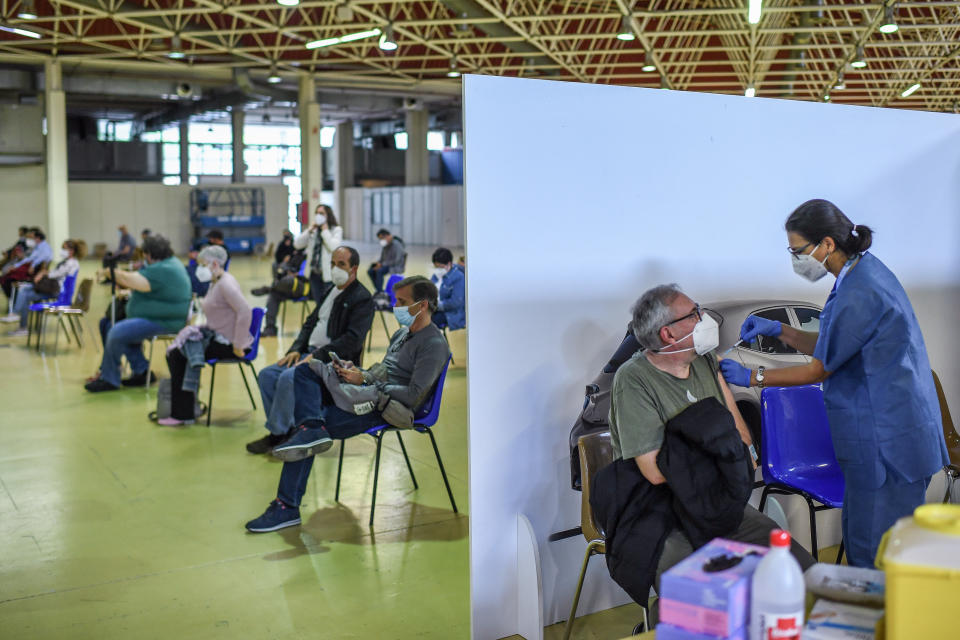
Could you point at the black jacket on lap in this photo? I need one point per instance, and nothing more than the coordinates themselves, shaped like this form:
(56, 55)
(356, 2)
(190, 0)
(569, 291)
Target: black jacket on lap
(350, 320)
(709, 480)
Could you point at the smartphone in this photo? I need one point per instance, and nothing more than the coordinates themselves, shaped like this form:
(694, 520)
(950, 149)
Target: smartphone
(336, 359)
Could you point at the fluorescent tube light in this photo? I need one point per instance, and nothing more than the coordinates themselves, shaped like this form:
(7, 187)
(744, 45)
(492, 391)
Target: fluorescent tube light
(288, 3)
(751, 91)
(753, 13)
(350, 37)
(21, 32)
(912, 89)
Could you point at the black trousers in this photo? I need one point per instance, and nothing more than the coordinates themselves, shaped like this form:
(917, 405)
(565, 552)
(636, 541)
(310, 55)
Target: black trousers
(183, 402)
(316, 286)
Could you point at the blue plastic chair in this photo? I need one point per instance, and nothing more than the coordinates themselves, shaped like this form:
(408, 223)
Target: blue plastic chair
(797, 456)
(424, 418)
(302, 299)
(37, 319)
(256, 322)
(379, 305)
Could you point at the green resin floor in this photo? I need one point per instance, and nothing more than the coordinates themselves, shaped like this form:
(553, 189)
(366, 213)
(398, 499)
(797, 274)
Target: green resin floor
(113, 527)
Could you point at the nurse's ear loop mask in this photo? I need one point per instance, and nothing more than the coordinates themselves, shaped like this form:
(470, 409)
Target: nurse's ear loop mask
(808, 267)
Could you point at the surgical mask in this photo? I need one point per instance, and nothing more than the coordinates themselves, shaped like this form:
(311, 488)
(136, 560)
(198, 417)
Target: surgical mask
(339, 276)
(808, 267)
(64, 253)
(31, 243)
(320, 219)
(204, 274)
(706, 337)
(439, 273)
(383, 243)
(403, 315)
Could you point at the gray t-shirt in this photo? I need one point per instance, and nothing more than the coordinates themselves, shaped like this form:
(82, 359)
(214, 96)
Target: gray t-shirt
(413, 363)
(644, 399)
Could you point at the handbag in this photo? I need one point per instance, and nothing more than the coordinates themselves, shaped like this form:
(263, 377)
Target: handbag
(165, 402)
(47, 286)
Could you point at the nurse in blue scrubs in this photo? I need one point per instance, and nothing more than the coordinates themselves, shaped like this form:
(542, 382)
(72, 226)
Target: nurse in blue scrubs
(877, 386)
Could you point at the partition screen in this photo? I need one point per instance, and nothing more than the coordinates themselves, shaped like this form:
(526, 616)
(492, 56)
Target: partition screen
(580, 197)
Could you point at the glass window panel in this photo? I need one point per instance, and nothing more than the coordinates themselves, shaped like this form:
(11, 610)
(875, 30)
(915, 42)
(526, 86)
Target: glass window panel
(809, 318)
(327, 135)
(400, 140)
(171, 180)
(171, 159)
(210, 132)
(150, 136)
(171, 134)
(435, 141)
(122, 130)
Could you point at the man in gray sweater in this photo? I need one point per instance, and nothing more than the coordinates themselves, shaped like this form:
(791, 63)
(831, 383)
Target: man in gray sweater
(393, 256)
(413, 363)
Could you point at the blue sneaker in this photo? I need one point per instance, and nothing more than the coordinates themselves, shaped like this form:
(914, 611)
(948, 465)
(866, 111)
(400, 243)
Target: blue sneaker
(277, 516)
(304, 442)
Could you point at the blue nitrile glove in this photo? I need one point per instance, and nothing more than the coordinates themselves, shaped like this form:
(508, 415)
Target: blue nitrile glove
(735, 373)
(755, 326)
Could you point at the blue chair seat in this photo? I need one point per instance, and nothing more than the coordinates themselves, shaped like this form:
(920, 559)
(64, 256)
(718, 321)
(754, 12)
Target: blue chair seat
(37, 318)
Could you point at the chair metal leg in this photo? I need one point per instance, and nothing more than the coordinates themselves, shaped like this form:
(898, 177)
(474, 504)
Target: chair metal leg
(407, 459)
(369, 340)
(443, 471)
(336, 492)
(153, 343)
(814, 551)
(376, 476)
(383, 319)
(249, 393)
(213, 373)
(763, 498)
(77, 329)
(840, 552)
(56, 336)
(591, 548)
(283, 315)
(43, 332)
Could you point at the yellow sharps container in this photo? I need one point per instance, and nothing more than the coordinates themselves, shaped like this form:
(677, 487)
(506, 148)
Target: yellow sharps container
(920, 556)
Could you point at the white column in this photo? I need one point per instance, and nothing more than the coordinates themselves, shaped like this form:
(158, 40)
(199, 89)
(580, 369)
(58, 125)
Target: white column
(239, 167)
(184, 151)
(416, 158)
(55, 103)
(344, 174)
(311, 157)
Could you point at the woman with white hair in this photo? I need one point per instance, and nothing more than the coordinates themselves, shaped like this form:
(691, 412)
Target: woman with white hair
(225, 335)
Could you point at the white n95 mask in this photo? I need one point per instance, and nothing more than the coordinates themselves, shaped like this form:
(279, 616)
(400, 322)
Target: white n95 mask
(203, 273)
(339, 276)
(319, 219)
(706, 337)
(808, 267)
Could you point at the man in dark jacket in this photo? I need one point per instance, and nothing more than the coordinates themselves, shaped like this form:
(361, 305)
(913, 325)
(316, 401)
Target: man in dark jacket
(650, 391)
(338, 324)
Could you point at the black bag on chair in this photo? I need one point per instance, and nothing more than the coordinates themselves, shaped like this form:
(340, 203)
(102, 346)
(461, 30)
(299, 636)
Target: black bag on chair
(47, 286)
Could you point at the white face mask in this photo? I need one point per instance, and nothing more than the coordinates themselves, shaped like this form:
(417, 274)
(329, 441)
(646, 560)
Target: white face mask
(808, 267)
(439, 272)
(320, 219)
(64, 253)
(203, 273)
(706, 337)
(383, 242)
(31, 243)
(339, 276)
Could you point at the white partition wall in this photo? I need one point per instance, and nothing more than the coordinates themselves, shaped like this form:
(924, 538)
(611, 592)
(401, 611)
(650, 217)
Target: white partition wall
(580, 197)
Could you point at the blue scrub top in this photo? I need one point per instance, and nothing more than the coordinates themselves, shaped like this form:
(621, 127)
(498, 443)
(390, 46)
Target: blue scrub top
(880, 397)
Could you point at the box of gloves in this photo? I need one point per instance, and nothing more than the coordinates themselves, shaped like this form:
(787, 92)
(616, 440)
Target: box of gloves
(707, 595)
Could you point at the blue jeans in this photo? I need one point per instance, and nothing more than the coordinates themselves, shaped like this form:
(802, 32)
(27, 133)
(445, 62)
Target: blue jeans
(126, 339)
(340, 424)
(377, 276)
(276, 390)
(26, 297)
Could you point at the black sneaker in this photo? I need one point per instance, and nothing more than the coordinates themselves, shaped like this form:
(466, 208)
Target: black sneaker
(95, 386)
(260, 291)
(139, 379)
(266, 443)
(304, 442)
(277, 516)
(269, 332)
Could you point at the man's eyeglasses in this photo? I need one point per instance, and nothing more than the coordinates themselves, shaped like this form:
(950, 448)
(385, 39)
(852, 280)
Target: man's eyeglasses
(695, 312)
(797, 252)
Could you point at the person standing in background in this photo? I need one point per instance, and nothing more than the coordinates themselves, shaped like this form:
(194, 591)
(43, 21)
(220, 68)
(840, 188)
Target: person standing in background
(320, 241)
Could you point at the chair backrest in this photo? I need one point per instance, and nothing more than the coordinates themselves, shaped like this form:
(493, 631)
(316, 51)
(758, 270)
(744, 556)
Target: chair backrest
(303, 268)
(949, 431)
(429, 411)
(256, 322)
(82, 300)
(66, 291)
(795, 433)
(596, 452)
(391, 283)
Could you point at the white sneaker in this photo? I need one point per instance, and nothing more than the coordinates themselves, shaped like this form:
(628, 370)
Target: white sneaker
(13, 317)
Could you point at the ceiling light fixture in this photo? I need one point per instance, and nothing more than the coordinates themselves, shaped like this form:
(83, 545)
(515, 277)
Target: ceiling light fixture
(859, 62)
(754, 11)
(28, 11)
(176, 50)
(751, 91)
(648, 64)
(288, 3)
(889, 24)
(663, 82)
(826, 97)
(387, 41)
(841, 84)
(274, 77)
(453, 72)
(626, 31)
(909, 91)
(21, 32)
(350, 37)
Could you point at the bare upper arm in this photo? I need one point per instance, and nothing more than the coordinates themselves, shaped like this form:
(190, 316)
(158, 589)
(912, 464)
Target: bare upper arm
(647, 464)
(735, 410)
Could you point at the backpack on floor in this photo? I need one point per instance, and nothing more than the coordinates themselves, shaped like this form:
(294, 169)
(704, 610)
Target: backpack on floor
(165, 402)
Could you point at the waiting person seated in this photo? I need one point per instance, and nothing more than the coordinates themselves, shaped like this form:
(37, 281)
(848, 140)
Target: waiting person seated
(663, 397)
(46, 284)
(407, 374)
(338, 324)
(288, 284)
(284, 250)
(318, 242)
(124, 251)
(159, 302)
(17, 250)
(226, 334)
(213, 237)
(452, 284)
(38, 255)
(392, 256)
